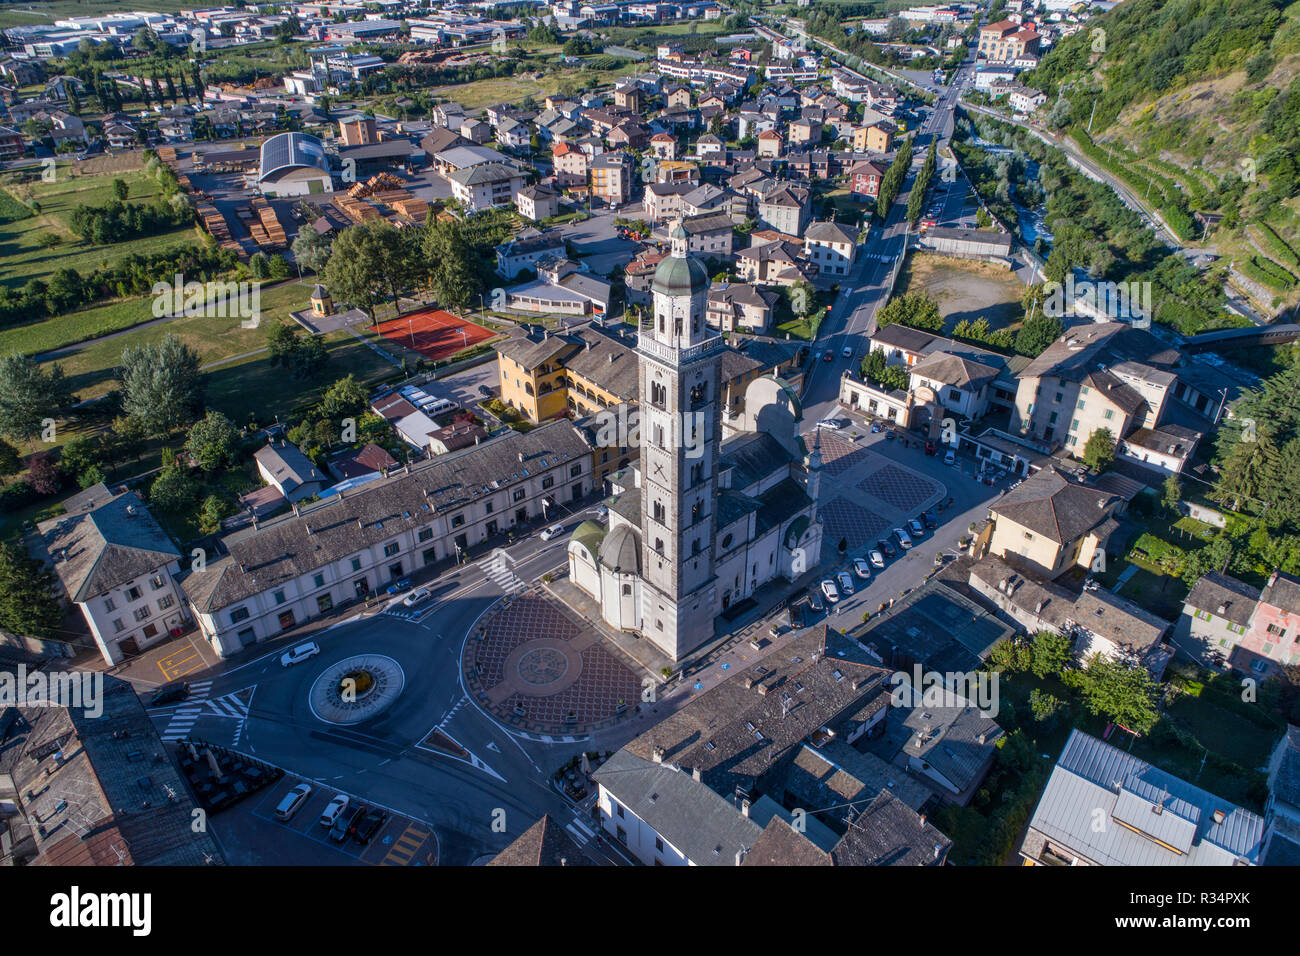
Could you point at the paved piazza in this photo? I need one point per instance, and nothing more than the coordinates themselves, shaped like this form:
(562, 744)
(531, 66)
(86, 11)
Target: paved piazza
(540, 668)
(865, 493)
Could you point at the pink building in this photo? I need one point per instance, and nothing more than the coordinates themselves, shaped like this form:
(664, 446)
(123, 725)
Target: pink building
(1274, 631)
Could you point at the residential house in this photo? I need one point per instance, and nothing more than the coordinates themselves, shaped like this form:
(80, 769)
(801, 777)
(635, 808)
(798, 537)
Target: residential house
(537, 202)
(740, 307)
(1137, 815)
(291, 472)
(526, 249)
(864, 180)
(486, 186)
(787, 209)
(611, 177)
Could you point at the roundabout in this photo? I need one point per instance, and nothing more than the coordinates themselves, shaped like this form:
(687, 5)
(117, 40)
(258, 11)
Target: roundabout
(356, 689)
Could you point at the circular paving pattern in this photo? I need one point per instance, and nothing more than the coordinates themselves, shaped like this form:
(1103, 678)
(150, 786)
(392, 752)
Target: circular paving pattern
(545, 665)
(356, 689)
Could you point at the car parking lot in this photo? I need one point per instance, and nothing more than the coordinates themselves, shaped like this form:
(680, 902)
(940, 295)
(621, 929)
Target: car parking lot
(250, 834)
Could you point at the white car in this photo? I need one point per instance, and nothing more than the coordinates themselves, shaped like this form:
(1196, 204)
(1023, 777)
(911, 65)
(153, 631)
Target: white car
(296, 655)
(830, 424)
(333, 810)
(552, 531)
(916, 528)
(876, 557)
(950, 457)
(845, 582)
(904, 539)
(829, 592)
(416, 596)
(861, 568)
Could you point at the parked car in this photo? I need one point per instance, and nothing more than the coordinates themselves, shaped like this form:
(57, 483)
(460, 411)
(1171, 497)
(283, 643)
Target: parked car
(829, 356)
(930, 448)
(815, 601)
(602, 512)
(887, 546)
(904, 539)
(861, 568)
(929, 520)
(845, 581)
(172, 693)
(292, 802)
(950, 457)
(299, 653)
(416, 596)
(364, 830)
(876, 557)
(890, 435)
(876, 427)
(485, 391)
(344, 824)
(847, 351)
(795, 616)
(829, 423)
(397, 587)
(552, 531)
(916, 529)
(333, 810)
(828, 590)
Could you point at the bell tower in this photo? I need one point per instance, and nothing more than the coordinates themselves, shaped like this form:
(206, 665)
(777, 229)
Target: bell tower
(681, 433)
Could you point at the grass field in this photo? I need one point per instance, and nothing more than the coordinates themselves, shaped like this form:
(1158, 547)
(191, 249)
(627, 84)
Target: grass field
(64, 330)
(512, 89)
(25, 257)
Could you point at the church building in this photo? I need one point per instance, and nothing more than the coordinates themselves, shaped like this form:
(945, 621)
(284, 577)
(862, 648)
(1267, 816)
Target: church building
(704, 523)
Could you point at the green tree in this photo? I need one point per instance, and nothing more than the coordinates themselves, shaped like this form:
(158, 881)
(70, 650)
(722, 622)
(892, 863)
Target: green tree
(1112, 689)
(1099, 451)
(345, 398)
(120, 189)
(214, 509)
(174, 489)
(1173, 493)
(1051, 653)
(213, 441)
(10, 461)
(311, 250)
(29, 394)
(1036, 333)
(451, 262)
(28, 605)
(82, 459)
(162, 388)
(914, 309)
(368, 263)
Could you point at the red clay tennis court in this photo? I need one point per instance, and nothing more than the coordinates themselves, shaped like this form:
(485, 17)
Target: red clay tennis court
(433, 333)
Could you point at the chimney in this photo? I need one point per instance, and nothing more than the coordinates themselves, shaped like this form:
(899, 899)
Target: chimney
(1223, 608)
(749, 682)
(295, 509)
(695, 774)
(309, 531)
(744, 807)
(611, 358)
(360, 526)
(740, 856)
(1038, 608)
(1272, 579)
(521, 458)
(922, 819)
(658, 755)
(982, 738)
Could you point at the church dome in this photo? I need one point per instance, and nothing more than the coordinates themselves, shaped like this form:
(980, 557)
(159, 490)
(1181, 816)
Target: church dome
(621, 550)
(679, 275)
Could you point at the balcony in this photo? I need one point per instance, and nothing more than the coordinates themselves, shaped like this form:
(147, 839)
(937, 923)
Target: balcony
(647, 345)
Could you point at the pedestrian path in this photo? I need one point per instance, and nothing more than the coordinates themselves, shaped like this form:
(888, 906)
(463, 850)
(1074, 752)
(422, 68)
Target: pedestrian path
(581, 832)
(184, 716)
(496, 567)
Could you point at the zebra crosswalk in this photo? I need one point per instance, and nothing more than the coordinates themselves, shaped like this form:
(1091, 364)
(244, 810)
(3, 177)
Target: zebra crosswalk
(496, 567)
(229, 706)
(184, 716)
(582, 833)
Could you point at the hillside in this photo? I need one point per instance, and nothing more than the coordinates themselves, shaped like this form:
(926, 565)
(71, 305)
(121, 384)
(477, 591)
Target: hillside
(1196, 104)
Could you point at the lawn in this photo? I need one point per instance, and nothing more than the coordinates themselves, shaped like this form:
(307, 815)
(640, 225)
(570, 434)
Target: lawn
(81, 327)
(513, 89)
(21, 250)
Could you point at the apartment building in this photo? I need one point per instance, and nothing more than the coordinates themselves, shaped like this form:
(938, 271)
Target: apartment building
(611, 177)
(277, 574)
(786, 209)
(830, 246)
(117, 565)
(486, 186)
(1007, 40)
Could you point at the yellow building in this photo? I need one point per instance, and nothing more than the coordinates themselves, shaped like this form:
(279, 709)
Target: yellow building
(1051, 524)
